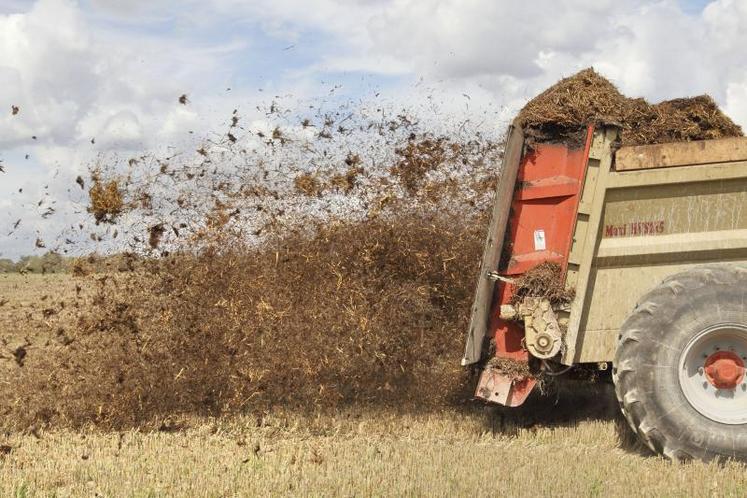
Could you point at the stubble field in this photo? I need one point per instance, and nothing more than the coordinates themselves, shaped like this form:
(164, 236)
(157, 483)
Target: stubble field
(559, 445)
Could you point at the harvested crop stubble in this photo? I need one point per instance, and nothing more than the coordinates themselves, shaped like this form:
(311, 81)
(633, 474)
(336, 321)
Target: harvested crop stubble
(564, 109)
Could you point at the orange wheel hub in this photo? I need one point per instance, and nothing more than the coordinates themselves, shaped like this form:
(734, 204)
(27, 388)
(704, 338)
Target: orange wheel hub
(724, 370)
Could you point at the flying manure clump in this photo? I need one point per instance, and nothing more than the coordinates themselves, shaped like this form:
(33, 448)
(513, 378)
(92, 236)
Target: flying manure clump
(106, 199)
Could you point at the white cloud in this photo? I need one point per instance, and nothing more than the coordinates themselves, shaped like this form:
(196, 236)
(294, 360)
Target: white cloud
(648, 47)
(112, 71)
(74, 81)
(736, 99)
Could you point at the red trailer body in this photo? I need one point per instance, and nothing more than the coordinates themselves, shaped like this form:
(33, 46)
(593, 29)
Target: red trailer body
(540, 228)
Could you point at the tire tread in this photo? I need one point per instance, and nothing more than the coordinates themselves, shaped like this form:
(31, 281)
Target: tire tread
(632, 346)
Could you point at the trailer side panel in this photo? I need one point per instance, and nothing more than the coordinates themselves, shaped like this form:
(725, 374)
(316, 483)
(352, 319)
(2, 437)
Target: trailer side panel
(493, 245)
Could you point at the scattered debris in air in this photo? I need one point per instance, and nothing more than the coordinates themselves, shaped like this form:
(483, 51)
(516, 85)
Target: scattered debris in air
(106, 200)
(155, 233)
(345, 249)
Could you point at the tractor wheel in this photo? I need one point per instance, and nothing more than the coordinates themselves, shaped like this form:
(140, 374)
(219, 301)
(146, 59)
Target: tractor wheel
(679, 370)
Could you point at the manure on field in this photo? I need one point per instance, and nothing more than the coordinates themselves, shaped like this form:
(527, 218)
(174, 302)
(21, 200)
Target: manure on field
(263, 294)
(325, 266)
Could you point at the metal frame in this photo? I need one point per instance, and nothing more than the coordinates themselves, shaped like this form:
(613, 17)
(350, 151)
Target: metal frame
(494, 245)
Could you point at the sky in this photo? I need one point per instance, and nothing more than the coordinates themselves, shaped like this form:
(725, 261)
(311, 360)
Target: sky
(93, 78)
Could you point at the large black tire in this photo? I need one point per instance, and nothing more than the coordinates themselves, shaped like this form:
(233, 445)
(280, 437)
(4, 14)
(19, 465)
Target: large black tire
(647, 363)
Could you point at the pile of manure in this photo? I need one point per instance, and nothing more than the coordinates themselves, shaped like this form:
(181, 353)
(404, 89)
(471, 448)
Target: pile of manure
(563, 111)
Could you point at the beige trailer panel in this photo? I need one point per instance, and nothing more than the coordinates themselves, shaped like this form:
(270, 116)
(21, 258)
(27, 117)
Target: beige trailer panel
(644, 225)
(615, 292)
(681, 154)
(676, 208)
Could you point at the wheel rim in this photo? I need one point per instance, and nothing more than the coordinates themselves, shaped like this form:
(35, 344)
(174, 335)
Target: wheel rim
(712, 373)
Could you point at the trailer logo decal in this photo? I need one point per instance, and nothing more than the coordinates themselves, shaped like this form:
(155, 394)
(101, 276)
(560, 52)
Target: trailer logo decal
(539, 240)
(634, 229)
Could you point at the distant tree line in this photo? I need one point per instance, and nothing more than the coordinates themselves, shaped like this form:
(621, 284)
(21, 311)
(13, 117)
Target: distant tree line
(52, 262)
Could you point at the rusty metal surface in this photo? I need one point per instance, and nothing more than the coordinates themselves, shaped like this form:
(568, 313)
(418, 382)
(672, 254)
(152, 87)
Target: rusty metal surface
(496, 387)
(542, 333)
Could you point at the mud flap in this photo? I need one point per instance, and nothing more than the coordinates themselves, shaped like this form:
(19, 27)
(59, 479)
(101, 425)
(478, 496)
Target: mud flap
(496, 387)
